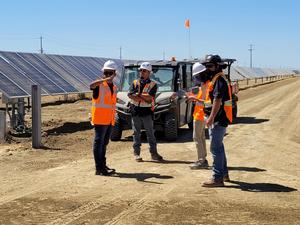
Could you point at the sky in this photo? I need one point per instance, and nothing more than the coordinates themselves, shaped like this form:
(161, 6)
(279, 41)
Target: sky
(154, 29)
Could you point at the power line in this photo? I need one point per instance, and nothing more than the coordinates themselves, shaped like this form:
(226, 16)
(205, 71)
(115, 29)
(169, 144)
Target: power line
(251, 50)
(120, 52)
(41, 45)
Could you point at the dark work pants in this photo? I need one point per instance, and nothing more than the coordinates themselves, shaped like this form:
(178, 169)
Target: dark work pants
(102, 135)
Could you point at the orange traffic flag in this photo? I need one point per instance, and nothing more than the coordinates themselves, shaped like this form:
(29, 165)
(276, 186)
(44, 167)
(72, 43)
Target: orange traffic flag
(187, 24)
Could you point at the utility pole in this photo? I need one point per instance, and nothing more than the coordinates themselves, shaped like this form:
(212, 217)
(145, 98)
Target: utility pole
(251, 50)
(120, 52)
(164, 56)
(41, 45)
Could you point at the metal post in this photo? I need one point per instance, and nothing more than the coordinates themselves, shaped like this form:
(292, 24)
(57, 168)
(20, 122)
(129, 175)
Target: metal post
(2, 125)
(36, 115)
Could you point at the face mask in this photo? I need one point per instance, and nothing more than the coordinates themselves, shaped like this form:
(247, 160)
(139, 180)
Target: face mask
(204, 77)
(210, 74)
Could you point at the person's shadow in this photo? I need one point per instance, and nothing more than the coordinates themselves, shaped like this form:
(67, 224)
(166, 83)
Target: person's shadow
(167, 161)
(142, 177)
(260, 187)
(248, 120)
(247, 169)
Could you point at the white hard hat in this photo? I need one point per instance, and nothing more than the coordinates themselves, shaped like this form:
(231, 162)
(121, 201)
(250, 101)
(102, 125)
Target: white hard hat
(198, 68)
(146, 66)
(109, 65)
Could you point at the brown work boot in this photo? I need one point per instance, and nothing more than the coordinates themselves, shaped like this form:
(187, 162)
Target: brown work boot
(156, 157)
(213, 183)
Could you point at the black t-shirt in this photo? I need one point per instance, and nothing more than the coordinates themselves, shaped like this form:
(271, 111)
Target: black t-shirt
(220, 90)
(142, 111)
(96, 90)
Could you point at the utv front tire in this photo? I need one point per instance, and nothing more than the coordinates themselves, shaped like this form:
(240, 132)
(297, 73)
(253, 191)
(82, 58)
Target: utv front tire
(170, 128)
(116, 132)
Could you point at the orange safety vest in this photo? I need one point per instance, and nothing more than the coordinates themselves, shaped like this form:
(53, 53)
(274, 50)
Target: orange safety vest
(146, 90)
(199, 106)
(227, 104)
(104, 107)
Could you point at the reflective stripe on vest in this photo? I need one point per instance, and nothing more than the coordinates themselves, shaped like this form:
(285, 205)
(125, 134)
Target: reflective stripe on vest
(146, 90)
(199, 106)
(103, 108)
(227, 104)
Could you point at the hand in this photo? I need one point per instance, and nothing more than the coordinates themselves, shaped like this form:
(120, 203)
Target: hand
(209, 121)
(191, 99)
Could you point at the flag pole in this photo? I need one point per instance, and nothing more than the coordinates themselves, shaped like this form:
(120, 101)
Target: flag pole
(187, 25)
(190, 56)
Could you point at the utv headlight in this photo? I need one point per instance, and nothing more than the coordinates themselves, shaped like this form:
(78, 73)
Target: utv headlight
(164, 101)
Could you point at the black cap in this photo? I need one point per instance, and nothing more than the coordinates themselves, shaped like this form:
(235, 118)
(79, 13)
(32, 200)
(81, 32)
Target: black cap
(216, 59)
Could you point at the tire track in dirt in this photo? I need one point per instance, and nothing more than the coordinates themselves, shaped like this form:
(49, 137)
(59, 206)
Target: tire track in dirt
(57, 174)
(85, 209)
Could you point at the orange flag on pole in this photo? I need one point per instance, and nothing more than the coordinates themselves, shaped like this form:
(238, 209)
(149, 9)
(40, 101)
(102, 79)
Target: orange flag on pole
(187, 23)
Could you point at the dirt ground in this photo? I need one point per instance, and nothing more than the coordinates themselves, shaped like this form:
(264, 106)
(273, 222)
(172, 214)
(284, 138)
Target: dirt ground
(57, 185)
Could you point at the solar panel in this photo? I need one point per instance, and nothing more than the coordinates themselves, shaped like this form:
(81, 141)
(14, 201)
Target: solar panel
(10, 88)
(8, 68)
(53, 75)
(64, 73)
(32, 70)
(71, 69)
(80, 67)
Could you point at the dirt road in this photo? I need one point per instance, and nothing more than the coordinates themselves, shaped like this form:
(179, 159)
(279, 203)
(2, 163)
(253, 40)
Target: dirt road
(57, 185)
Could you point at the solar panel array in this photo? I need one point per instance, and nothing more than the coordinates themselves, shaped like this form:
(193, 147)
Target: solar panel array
(56, 74)
(60, 74)
(240, 73)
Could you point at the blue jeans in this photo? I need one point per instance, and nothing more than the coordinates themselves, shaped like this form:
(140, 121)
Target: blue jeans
(217, 149)
(137, 122)
(102, 135)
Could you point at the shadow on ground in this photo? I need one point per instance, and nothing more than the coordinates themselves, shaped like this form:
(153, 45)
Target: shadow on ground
(248, 120)
(260, 187)
(69, 127)
(247, 169)
(142, 177)
(166, 161)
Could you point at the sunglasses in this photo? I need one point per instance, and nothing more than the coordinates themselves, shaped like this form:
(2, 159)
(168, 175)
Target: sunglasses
(143, 70)
(108, 73)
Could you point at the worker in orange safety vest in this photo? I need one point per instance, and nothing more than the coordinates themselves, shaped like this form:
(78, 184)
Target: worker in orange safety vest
(218, 119)
(103, 115)
(200, 100)
(142, 94)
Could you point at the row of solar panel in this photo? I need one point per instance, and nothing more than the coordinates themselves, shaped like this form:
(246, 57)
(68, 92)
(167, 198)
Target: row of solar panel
(55, 73)
(59, 74)
(240, 73)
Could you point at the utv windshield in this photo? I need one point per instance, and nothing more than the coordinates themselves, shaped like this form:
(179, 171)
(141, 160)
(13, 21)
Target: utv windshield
(163, 76)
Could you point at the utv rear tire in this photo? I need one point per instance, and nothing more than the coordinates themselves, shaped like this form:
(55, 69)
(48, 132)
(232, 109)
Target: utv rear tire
(116, 132)
(234, 112)
(170, 129)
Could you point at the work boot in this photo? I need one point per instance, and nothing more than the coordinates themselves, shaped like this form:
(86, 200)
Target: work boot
(109, 170)
(156, 157)
(226, 178)
(138, 158)
(213, 183)
(199, 165)
(102, 172)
